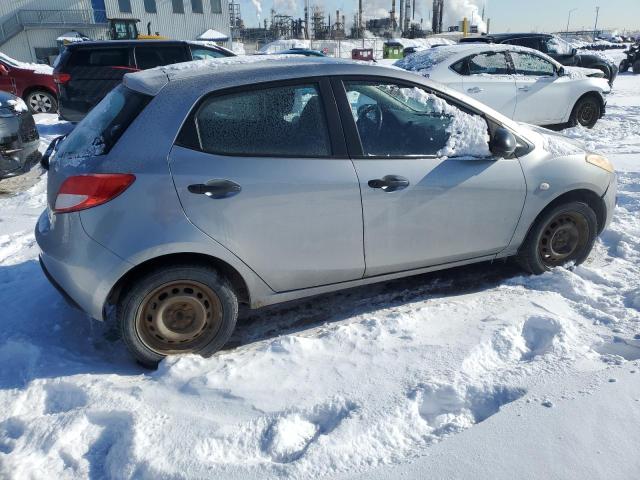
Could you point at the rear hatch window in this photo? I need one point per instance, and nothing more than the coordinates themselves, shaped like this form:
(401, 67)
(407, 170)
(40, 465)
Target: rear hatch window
(104, 125)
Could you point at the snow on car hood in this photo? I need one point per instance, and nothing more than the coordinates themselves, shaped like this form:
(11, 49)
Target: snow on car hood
(577, 73)
(556, 143)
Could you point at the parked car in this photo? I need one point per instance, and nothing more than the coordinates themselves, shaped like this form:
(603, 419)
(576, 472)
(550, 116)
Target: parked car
(557, 48)
(30, 81)
(521, 83)
(186, 192)
(86, 71)
(19, 137)
(307, 52)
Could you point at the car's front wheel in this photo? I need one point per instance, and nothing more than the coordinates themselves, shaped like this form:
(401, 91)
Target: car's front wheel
(179, 309)
(636, 67)
(41, 101)
(565, 234)
(586, 112)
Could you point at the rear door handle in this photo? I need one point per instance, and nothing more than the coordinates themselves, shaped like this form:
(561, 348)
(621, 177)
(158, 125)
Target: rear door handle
(216, 188)
(475, 90)
(389, 183)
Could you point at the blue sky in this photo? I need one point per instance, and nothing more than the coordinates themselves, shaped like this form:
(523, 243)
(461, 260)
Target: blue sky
(506, 15)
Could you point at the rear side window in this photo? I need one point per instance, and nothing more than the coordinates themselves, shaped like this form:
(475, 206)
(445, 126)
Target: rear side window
(149, 57)
(201, 53)
(284, 121)
(104, 125)
(529, 42)
(460, 67)
(100, 57)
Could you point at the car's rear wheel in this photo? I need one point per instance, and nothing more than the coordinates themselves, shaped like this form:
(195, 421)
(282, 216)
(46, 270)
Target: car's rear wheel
(586, 112)
(564, 234)
(41, 101)
(180, 309)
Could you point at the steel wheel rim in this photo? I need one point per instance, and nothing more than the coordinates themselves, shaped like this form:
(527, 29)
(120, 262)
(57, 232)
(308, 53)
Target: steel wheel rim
(563, 239)
(179, 317)
(40, 103)
(586, 114)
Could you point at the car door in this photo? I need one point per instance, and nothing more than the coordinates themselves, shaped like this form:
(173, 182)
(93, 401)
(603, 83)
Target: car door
(431, 191)
(489, 80)
(264, 171)
(543, 97)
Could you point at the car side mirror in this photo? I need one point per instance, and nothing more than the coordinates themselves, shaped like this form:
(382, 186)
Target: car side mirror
(3, 70)
(51, 149)
(574, 52)
(562, 72)
(504, 143)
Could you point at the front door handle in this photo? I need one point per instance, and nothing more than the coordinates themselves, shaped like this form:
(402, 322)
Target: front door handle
(389, 183)
(524, 89)
(475, 90)
(216, 188)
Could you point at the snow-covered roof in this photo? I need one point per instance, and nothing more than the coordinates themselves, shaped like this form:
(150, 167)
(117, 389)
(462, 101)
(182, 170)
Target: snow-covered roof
(213, 36)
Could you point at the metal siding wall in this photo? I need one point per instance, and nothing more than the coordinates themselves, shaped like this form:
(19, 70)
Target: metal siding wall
(8, 7)
(21, 47)
(177, 26)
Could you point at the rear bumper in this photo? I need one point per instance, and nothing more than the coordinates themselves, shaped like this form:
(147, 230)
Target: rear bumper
(75, 264)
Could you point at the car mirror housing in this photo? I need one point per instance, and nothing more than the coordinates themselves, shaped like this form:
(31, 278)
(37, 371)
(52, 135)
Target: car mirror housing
(503, 143)
(561, 72)
(3, 70)
(574, 52)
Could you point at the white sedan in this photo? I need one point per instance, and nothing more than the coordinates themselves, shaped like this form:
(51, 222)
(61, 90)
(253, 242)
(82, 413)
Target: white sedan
(521, 83)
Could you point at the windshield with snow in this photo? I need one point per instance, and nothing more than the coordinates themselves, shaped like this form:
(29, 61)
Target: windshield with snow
(104, 124)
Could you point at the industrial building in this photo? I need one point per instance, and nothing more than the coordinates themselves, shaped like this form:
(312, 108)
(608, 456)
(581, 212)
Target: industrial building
(29, 28)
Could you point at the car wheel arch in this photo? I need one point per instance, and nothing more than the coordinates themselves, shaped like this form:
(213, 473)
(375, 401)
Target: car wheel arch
(589, 197)
(228, 271)
(36, 88)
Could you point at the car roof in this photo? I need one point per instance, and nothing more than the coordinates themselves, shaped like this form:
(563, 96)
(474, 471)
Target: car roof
(501, 37)
(245, 70)
(123, 43)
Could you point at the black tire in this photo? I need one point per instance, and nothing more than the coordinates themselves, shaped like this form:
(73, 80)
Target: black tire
(636, 67)
(551, 241)
(586, 112)
(197, 314)
(41, 101)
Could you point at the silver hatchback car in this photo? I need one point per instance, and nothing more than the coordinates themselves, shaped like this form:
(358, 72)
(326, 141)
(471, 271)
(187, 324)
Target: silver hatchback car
(193, 187)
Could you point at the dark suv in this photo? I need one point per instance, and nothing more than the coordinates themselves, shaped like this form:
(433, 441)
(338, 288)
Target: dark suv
(85, 72)
(554, 46)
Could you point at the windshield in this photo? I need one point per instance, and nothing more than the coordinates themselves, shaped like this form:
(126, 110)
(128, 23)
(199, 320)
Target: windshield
(103, 126)
(9, 61)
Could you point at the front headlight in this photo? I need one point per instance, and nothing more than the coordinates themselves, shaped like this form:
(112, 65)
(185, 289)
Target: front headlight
(600, 161)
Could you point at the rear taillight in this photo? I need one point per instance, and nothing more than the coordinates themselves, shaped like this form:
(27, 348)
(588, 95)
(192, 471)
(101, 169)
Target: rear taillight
(86, 191)
(61, 77)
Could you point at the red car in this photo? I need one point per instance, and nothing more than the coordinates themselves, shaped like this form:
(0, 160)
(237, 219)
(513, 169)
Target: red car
(31, 81)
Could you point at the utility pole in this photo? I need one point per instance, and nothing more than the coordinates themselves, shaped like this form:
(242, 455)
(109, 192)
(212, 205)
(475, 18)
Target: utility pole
(569, 19)
(595, 27)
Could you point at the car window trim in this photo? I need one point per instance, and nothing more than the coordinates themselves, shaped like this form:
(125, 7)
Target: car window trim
(354, 144)
(332, 117)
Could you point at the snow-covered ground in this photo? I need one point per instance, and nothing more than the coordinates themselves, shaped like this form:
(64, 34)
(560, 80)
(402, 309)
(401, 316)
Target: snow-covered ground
(477, 372)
